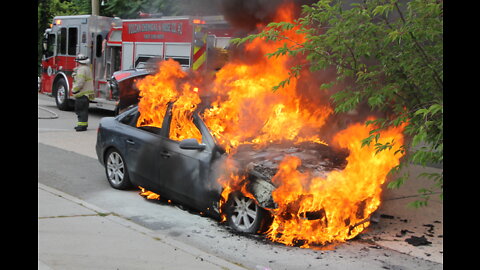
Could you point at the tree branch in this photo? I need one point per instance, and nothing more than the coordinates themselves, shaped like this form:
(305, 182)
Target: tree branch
(420, 49)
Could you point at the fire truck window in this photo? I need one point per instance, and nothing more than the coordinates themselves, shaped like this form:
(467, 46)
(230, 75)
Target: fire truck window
(72, 41)
(50, 45)
(62, 41)
(99, 46)
(181, 61)
(116, 58)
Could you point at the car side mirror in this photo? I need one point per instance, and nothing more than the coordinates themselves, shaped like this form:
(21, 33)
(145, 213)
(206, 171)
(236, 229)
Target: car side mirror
(192, 144)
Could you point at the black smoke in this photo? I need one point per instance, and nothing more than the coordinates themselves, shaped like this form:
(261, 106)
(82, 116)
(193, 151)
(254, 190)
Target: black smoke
(247, 14)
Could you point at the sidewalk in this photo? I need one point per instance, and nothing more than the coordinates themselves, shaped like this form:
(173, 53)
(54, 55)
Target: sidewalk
(398, 222)
(73, 234)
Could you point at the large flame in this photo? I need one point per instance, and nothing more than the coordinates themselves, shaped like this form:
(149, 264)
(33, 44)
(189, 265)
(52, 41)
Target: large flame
(311, 210)
(316, 210)
(250, 112)
(162, 88)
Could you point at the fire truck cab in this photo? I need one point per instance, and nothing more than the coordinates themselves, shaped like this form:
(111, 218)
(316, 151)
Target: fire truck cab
(114, 45)
(68, 37)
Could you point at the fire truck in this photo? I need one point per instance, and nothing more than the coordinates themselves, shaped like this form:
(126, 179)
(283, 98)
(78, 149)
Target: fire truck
(119, 49)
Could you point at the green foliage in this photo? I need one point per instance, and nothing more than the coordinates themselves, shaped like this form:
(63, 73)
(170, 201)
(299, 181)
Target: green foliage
(130, 9)
(389, 53)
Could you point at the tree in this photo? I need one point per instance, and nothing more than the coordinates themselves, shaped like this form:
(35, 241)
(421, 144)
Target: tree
(389, 53)
(130, 9)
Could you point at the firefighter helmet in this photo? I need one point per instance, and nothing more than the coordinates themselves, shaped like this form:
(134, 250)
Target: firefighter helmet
(82, 59)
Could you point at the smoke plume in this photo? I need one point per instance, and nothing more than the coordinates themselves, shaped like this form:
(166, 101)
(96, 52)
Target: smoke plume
(247, 14)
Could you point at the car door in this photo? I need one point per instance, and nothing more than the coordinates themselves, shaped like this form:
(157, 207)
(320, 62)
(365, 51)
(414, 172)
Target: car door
(185, 172)
(141, 148)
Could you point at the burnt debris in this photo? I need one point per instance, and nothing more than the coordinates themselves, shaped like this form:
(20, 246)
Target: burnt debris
(317, 159)
(418, 241)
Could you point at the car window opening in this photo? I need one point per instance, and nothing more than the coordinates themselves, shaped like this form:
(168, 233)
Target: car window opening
(151, 129)
(182, 127)
(130, 119)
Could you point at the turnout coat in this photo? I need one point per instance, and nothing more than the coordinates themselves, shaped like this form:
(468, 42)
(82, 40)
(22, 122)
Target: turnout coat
(83, 82)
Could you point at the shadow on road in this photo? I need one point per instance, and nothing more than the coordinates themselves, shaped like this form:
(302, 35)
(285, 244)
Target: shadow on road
(100, 112)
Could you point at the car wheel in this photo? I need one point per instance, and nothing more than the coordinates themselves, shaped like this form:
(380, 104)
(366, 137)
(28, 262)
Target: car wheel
(60, 94)
(244, 215)
(116, 170)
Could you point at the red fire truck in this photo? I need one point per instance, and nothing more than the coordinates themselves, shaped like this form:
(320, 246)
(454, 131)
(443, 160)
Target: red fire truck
(114, 45)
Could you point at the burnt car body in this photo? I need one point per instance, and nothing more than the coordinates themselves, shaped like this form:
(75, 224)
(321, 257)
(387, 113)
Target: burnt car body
(124, 89)
(184, 171)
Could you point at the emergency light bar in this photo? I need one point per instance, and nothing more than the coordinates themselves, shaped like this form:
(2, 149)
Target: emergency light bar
(198, 21)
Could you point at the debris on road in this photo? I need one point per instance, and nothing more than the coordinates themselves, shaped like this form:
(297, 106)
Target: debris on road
(418, 241)
(402, 233)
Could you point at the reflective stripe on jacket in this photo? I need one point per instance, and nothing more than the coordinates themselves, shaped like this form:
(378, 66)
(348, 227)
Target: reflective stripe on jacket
(83, 82)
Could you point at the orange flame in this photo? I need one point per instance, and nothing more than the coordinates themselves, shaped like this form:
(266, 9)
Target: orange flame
(162, 88)
(251, 112)
(315, 210)
(148, 194)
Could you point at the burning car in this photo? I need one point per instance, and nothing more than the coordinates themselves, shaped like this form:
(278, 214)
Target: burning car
(187, 171)
(252, 158)
(183, 171)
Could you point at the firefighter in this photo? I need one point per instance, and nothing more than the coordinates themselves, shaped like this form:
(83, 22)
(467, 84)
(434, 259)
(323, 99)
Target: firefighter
(82, 91)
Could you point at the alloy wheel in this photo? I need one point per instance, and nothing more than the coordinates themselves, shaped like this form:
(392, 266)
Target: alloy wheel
(115, 168)
(244, 212)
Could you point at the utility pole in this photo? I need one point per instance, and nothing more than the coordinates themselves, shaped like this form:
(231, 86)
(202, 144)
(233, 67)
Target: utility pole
(95, 7)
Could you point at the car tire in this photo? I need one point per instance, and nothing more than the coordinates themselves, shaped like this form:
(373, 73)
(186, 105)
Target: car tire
(60, 93)
(245, 215)
(116, 170)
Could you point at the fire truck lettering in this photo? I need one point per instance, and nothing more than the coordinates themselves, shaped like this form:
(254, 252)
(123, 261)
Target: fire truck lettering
(166, 27)
(153, 36)
(134, 28)
(179, 29)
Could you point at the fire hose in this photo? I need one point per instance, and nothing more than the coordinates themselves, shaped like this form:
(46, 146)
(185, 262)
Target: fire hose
(54, 115)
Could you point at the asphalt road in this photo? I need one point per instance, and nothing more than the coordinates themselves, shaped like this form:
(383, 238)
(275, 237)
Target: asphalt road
(67, 162)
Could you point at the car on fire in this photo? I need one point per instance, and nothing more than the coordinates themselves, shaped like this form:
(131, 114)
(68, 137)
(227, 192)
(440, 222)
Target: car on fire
(183, 171)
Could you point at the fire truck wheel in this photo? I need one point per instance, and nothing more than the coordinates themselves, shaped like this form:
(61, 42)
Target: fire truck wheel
(244, 215)
(60, 93)
(116, 170)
